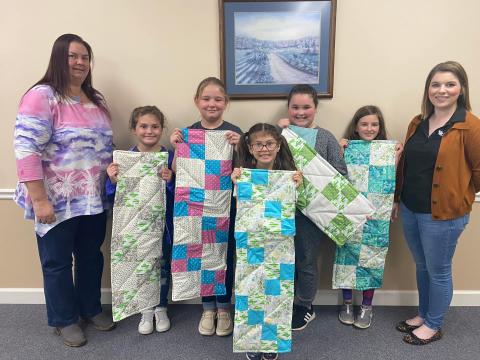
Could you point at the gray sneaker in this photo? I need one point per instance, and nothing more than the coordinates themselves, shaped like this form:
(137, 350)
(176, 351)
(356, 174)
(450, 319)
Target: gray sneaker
(346, 314)
(363, 320)
(72, 335)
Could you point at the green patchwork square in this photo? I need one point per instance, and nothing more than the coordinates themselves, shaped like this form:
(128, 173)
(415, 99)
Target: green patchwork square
(258, 192)
(288, 210)
(272, 225)
(257, 300)
(272, 271)
(242, 256)
(256, 239)
(306, 193)
(287, 288)
(340, 192)
(340, 228)
(302, 153)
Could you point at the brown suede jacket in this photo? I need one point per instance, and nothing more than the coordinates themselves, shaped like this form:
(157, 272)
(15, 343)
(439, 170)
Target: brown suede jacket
(456, 178)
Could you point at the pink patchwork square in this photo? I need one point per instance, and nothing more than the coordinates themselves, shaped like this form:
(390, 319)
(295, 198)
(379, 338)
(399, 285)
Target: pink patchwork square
(179, 265)
(208, 236)
(196, 136)
(220, 277)
(195, 209)
(183, 150)
(194, 251)
(182, 194)
(225, 167)
(222, 223)
(212, 182)
(207, 289)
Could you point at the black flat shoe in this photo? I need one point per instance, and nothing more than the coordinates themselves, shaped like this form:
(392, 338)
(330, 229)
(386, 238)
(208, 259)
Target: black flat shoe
(412, 339)
(402, 326)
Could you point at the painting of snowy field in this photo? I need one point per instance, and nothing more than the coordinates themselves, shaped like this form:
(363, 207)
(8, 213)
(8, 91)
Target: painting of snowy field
(268, 46)
(277, 47)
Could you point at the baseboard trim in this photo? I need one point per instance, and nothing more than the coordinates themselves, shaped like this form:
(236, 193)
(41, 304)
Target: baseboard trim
(323, 297)
(7, 194)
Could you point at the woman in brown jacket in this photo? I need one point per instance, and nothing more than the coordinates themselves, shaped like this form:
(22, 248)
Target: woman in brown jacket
(437, 178)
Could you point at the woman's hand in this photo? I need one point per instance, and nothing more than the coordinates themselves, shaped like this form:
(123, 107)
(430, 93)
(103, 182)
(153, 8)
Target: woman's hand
(283, 123)
(43, 210)
(176, 137)
(232, 137)
(166, 174)
(297, 178)
(395, 210)
(112, 172)
(343, 144)
(235, 175)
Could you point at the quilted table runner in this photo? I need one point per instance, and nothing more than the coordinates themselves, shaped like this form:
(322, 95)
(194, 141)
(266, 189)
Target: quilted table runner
(360, 262)
(326, 197)
(201, 214)
(137, 231)
(265, 270)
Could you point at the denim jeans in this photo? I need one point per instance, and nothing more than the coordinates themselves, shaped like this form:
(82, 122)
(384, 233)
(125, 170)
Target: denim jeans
(68, 298)
(432, 243)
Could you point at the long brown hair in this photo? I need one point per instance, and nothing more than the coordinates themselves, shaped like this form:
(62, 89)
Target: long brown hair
(283, 160)
(456, 69)
(58, 76)
(351, 132)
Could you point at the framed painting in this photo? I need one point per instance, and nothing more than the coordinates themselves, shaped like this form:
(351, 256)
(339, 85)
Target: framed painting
(266, 47)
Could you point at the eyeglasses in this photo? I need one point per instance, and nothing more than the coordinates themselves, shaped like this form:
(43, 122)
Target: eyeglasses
(270, 145)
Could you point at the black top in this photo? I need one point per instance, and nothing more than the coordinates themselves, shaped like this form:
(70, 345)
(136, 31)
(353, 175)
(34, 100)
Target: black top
(420, 154)
(224, 126)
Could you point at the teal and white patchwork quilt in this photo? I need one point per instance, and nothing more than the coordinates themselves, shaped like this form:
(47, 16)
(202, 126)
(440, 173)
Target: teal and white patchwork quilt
(325, 196)
(359, 264)
(137, 231)
(265, 269)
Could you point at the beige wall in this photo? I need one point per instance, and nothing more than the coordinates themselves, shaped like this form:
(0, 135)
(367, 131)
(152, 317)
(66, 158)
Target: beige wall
(156, 52)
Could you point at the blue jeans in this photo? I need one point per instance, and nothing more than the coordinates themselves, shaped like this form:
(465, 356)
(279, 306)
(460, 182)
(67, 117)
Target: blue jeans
(432, 243)
(66, 298)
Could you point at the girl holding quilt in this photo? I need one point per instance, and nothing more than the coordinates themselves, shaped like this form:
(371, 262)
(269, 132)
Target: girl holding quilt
(147, 124)
(211, 101)
(302, 107)
(262, 147)
(359, 264)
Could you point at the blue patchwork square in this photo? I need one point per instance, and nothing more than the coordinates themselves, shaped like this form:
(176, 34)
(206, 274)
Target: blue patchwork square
(197, 151)
(241, 239)
(180, 208)
(179, 252)
(284, 345)
(208, 277)
(287, 271)
(241, 302)
(220, 289)
(197, 195)
(255, 317)
(386, 186)
(225, 183)
(272, 287)
(273, 209)
(185, 135)
(358, 153)
(209, 223)
(260, 177)
(244, 191)
(269, 332)
(255, 255)
(194, 264)
(212, 167)
(222, 236)
(288, 227)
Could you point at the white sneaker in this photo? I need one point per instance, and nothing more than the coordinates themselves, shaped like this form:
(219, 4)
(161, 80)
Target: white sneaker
(145, 326)
(162, 322)
(207, 323)
(224, 323)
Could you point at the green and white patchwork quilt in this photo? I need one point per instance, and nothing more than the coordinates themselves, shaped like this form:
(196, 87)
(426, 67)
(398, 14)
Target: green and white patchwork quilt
(359, 264)
(137, 231)
(265, 269)
(325, 196)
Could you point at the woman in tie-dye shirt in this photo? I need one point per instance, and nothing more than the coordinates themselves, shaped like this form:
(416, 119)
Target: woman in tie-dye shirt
(63, 144)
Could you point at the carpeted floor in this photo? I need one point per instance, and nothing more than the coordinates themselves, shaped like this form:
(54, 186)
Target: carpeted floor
(25, 335)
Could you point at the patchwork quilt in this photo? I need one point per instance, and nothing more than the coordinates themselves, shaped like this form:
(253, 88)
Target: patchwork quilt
(326, 197)
(201, 214)
(359, 264)
(265, 270)
(137, 231)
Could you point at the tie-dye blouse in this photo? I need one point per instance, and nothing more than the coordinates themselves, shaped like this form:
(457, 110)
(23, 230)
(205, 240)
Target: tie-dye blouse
(68, 145)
